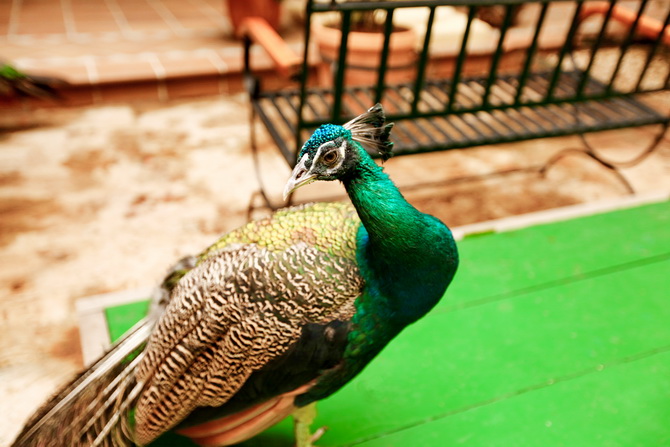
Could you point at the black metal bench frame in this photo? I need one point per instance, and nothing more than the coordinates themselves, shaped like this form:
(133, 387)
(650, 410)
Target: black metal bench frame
(463, 111)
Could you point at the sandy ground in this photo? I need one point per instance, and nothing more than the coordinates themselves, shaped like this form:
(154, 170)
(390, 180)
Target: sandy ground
(103, 199)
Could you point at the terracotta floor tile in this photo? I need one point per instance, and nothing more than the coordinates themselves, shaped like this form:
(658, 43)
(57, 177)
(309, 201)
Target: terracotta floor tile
(133, 5)
(88, 5)
(188, 65)
(142, 16)
(93, 15)
(194, 13)
(95, 26)
(184, 43)
(74, 71)
(260, 60)
(132, 91)
(202, 23)
(234, 83)
(29, 26)
(5, 8)
(216, 4)
(178, 4)
(134, 68)
(33, 7)
(79, 97)
(180, 11)
(132, 14)
(194, 86)
(216, 9)
(148, 25)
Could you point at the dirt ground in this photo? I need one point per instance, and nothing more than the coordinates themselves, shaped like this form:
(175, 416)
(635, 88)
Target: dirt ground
(104, 199)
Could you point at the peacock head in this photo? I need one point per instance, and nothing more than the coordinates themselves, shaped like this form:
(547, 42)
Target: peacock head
(332, 152)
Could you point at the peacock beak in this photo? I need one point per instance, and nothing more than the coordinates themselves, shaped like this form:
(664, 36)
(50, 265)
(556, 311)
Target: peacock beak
(299, 177)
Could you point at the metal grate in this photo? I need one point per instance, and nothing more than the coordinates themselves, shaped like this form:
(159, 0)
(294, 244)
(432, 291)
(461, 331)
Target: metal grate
(504, 120)
(593, 81)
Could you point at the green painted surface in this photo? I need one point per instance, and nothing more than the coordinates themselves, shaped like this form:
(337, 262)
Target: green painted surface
(626, 405)
(497, 265)
(555, 335)
(123, 317)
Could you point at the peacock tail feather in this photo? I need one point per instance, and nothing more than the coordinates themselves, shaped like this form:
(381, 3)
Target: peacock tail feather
(93, 409)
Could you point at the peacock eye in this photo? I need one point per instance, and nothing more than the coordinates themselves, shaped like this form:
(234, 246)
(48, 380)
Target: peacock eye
(329, 157)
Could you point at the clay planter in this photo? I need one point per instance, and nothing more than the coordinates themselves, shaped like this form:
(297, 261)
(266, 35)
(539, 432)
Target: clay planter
(238, 10)
(364, 54)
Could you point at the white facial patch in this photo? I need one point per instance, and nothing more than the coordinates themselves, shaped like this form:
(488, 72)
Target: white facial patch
(340, 150)
(301, 162)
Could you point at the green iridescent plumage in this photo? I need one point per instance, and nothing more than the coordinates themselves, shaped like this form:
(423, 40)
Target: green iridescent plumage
(279, 313)
(330, 227)
(406, 258)
(324, 134)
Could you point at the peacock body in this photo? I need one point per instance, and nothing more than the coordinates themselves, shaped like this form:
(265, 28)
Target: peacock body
(272, 317)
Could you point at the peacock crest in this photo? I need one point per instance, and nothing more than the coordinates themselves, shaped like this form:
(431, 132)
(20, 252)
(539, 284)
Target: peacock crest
(324, 134)
(369, 129)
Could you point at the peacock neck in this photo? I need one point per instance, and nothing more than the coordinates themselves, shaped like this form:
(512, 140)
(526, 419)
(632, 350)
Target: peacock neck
(406, 256)
(385, 213)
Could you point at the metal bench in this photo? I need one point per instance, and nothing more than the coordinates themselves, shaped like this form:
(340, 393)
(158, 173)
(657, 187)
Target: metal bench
(551, 68)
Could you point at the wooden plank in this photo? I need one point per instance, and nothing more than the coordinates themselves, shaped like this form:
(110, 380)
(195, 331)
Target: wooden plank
(94, 330)
(625, 406)
(508, 262)
(121, 318)
(452, 362)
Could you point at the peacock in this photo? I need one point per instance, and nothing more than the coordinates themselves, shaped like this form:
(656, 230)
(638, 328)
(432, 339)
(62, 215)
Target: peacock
(271, 318)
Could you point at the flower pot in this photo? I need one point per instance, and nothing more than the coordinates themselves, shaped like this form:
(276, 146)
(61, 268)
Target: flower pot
(364, 54)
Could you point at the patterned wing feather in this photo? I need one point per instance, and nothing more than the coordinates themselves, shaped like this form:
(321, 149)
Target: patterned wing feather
(245, 304)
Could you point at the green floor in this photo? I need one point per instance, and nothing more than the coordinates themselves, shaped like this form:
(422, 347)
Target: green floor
(555, 335)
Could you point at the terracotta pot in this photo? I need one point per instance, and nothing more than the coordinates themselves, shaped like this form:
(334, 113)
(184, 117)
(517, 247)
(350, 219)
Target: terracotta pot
(364, 54)
(238, 10)
(647, 26)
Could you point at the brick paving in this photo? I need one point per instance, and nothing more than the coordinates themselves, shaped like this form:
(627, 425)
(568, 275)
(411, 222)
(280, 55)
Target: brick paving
(121, 50)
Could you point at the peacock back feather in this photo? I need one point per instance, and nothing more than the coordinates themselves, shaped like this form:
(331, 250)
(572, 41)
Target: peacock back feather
(245, 304)
(328, 227)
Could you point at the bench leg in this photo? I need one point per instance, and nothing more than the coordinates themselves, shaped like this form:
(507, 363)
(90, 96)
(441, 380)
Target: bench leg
(265, 200)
